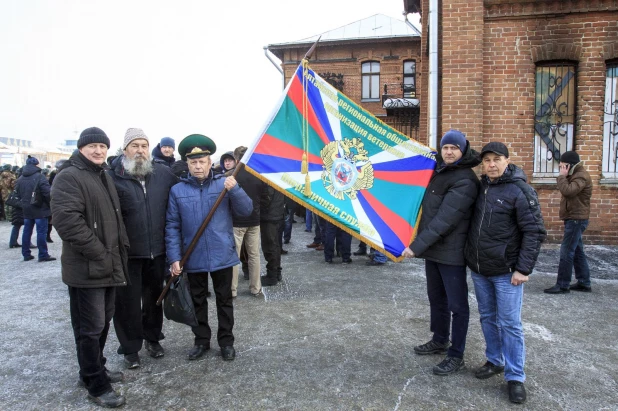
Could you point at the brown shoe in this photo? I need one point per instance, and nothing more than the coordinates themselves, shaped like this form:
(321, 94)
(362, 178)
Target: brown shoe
(313, 245)
(319, 248)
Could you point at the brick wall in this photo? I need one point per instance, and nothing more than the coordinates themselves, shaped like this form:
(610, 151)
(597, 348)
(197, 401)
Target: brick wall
(488, 54)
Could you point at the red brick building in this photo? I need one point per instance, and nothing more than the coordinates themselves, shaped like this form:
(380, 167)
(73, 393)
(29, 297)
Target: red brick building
(540, 76)
(373, 61)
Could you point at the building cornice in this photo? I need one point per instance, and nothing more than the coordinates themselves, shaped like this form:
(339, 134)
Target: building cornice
(496, 9)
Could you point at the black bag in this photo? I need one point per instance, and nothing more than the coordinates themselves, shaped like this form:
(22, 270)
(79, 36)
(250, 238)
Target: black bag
(13, 200)
(37, 198)
(178, 304)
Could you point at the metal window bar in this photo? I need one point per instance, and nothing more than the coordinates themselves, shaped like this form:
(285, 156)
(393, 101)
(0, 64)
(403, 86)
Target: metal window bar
(554, 118)
(610, 123)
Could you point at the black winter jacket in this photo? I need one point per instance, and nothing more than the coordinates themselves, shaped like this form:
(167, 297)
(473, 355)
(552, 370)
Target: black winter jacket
(31, 177)
(447, 210)
(144, 208)
(87, 217)
(271, 205)
(159, 157)
(507, 228)
(254, 187)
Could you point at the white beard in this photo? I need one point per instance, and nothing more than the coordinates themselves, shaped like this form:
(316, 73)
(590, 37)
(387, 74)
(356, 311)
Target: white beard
(136, 168)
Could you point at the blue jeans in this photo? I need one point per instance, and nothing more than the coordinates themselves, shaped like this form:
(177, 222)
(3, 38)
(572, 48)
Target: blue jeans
(308, 214)
(447, 290)
(572, 254)
(290, 209)
(500, 310)
(41, 236)
(378, 257)
(344, 240)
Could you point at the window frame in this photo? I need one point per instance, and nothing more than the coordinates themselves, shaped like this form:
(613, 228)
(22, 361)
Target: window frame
(609, 173)
(412, 94)
(372, 77)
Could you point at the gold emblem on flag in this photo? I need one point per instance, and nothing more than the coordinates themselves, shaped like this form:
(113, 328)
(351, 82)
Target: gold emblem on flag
(347, 168)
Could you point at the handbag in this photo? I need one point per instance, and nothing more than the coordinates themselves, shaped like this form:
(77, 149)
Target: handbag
(13, 199)
(37, 198)
(178, 304)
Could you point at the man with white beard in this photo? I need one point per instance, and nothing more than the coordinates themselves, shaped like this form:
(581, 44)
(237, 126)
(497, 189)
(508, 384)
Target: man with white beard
(143, 187)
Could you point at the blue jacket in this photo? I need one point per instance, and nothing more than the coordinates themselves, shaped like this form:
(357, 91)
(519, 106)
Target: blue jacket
(189, 204)
(31, 177)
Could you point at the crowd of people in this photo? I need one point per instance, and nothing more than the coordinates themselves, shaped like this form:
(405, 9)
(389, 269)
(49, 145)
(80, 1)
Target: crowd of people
(126, 223)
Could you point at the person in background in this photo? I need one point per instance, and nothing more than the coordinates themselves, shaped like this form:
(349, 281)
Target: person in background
(163, 153)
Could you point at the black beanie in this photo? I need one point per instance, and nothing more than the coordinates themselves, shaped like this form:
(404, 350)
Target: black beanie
(570, 157)
(92, 135)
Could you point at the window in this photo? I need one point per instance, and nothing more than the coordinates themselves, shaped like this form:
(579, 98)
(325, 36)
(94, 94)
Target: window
(610, 123)
(371, 80)
(409, 79)
(554, 128)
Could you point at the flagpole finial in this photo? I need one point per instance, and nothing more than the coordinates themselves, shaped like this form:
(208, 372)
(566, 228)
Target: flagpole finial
(312, 49)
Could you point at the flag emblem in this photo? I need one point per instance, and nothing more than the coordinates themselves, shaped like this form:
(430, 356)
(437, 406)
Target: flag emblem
(347, 168)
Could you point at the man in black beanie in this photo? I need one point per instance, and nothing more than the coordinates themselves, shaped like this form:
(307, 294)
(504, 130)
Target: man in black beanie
(575, 185)
(86, 214)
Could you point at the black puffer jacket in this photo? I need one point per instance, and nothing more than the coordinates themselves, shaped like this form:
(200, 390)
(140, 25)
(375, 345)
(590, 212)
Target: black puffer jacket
(271, 205)
(144, 209)
(86, 214)
(447, 211)
(507, 228)
(254, 187)
(31, 178)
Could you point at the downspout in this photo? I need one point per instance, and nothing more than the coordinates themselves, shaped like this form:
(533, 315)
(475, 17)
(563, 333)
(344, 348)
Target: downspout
(433, 73)
(277, 66)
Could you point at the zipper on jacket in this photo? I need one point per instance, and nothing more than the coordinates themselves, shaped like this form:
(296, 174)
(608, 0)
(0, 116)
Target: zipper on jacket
(478, 261)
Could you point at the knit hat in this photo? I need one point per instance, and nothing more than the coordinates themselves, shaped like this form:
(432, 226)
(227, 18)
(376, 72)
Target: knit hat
(32, 160)
(570, 157)
(456, 138)
(495, 147)
(168, 142)
(92, 135)
(134, 134)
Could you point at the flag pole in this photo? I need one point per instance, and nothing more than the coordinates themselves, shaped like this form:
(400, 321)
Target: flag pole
(304, 167)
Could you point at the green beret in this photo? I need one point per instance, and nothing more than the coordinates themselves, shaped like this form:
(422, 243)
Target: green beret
(196, 146)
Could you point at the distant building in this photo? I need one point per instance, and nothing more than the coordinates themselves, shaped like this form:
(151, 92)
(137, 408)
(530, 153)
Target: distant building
(15, 151)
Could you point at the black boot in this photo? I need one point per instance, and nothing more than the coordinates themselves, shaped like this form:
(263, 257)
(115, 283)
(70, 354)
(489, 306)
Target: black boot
(269, 279)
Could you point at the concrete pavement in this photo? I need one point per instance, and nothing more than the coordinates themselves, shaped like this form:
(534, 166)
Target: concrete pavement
(329, 337)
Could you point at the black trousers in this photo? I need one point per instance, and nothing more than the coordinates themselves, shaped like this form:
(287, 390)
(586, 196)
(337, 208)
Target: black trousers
(222, 284)
(271, 248)
(138, 317)
(447, 290)
(91, 311)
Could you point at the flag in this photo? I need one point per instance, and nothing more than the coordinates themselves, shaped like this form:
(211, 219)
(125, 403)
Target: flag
(334, 157)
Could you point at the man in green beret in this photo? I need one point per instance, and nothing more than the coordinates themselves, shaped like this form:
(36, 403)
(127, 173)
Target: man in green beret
(190, 201)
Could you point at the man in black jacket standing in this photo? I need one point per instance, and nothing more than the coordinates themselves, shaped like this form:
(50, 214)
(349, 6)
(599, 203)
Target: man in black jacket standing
(86, 214)
(143, 187)
(33, 183)
(503, 245)
(447, 211)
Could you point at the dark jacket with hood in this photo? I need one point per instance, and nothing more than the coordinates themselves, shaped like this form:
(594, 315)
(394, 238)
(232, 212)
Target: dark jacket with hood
(507, 228)
(160, 158)
(447, 210)
(576, 190)
(190, 201)
(272, 205)
(87, 217)
(30, 179)
(144, 207)
(254, 187)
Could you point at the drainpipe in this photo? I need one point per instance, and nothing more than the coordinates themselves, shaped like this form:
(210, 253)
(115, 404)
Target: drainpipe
(433, 73)
(277, 66)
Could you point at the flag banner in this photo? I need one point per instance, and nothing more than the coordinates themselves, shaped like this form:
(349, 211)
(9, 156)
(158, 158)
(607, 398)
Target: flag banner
(335, 158)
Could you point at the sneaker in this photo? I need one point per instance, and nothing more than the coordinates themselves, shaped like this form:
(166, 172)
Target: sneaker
(517, 392)
(580, 287)
(449, 365)
(488, 370)
(556, 289)
(110, 399)
(154, 349)
(132, 360)
(431, 347)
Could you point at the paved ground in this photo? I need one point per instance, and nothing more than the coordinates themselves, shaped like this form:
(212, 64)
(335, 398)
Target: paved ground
(329, 337)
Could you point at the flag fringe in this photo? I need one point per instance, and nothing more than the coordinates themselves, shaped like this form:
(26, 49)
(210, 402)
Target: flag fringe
(328, 218)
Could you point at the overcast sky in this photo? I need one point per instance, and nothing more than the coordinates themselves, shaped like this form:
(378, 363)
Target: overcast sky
(172, 68)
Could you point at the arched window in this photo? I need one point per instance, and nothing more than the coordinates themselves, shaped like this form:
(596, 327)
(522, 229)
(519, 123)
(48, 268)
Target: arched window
(370, 72)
